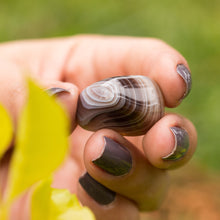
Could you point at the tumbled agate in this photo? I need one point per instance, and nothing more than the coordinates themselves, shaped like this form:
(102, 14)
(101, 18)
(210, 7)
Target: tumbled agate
(130, 105)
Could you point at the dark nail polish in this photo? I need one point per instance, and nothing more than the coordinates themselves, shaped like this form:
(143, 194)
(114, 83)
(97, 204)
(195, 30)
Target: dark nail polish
(96, 190)
(186, 75)
(181, 144)
(55, 91)
(115, 158)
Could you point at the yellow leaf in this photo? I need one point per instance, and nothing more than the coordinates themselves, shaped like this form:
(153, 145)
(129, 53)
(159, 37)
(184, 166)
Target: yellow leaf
(65, 206)
(41, 200)
(62, 199)
(5, 130)
(77, 214)
(41, 143)
(4, 212)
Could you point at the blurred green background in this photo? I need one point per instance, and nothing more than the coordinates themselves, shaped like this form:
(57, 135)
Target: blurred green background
(190, 26)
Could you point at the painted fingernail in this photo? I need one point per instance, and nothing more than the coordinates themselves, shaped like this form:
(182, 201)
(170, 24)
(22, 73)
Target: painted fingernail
(56, 91)
(181, 144)
(96, 190)
(115, 158)
(186, 75)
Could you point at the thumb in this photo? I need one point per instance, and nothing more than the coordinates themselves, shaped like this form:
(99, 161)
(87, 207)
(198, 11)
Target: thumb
(67, 95)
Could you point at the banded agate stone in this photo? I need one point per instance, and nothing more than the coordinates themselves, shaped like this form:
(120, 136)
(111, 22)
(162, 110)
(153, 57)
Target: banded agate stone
(130, 105)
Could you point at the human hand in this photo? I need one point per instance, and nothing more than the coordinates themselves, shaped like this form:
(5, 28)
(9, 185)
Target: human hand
(76, 62)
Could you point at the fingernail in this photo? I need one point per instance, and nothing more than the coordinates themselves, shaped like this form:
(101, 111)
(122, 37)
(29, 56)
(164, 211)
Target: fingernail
(55, 91)
(115, 158)
(181, 144)
(97, 191)
(186, 75)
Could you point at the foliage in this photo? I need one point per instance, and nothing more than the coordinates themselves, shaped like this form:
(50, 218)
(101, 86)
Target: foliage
(41, 146)
(6, 126)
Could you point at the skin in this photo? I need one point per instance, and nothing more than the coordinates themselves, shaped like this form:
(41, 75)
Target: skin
(74, 63)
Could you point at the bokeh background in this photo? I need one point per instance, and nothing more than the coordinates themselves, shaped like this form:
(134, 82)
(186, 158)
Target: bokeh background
(190, 26)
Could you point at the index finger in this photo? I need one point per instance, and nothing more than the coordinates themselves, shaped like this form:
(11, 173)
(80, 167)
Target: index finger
(82, 60)
(99, 57)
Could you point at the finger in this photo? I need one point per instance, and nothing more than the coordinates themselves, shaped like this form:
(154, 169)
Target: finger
(122, 209)
(67, 95)
(13, 91)
(102, 57)
(43, 60)
(118, 165)
(96, 57)
(119, 208)
(171, 142)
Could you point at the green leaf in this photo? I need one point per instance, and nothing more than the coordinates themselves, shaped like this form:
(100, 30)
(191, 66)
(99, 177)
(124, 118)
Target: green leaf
(41, 143)
(5, 130)
(41, 200)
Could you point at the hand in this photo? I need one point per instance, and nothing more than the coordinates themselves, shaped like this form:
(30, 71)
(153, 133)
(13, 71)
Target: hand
(141, 181)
